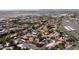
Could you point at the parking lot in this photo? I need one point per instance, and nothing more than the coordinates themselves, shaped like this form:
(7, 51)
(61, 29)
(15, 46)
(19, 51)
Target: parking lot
(73, 24)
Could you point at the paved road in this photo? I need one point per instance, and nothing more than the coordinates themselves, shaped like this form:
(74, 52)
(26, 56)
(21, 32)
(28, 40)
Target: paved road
(29, 45)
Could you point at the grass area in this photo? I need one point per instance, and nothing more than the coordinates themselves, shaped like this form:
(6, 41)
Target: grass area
(5, 39)
(77, 47)
(77, 37)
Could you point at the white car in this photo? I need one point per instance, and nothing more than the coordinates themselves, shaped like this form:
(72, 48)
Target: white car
(67, 20)
(2, 30)
(67, 28)
(71, 28)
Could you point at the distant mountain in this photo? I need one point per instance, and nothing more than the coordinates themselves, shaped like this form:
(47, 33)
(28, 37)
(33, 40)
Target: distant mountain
(60, 10)
(43, 10)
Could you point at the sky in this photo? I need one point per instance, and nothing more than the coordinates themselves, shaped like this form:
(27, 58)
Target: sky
(38, 4)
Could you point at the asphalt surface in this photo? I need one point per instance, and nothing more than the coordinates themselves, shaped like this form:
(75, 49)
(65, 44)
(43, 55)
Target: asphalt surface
(74, 24)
